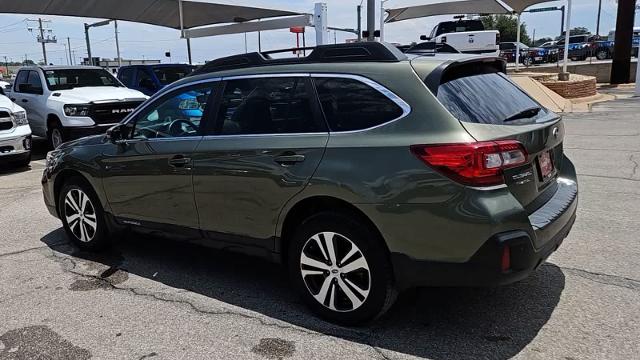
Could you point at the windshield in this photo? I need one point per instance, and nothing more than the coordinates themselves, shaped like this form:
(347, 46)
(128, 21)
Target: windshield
(166, 75)
(458, 26)
(73, 78)
(489, 99)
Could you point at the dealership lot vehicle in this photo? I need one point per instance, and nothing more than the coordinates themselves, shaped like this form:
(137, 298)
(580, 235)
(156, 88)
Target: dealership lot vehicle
(65, 103)
(279, 165)
(149, 79)
(15, 134)
(528, 55)
(466, 36)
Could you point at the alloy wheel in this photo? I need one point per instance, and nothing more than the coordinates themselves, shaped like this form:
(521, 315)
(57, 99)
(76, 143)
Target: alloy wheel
(80, 215)
(335, 271)
(56, 138)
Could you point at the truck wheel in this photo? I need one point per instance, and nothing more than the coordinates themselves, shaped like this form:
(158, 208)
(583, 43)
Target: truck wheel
(527, 61)
(55, 135)
(602, 54)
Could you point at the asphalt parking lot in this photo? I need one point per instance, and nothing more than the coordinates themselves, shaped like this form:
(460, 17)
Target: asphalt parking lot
(153, 298)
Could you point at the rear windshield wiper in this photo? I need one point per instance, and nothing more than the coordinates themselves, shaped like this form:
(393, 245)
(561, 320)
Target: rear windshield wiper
(524, 114)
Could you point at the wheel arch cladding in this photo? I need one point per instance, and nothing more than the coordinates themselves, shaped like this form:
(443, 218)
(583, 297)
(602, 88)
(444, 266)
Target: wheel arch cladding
(314, 205)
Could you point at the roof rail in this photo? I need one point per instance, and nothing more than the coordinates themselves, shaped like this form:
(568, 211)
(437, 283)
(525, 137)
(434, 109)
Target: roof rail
(355, 52)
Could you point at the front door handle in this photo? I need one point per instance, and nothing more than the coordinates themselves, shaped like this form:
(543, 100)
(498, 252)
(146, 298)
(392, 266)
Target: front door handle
(179, 161)
(25, 100)
(289, 159)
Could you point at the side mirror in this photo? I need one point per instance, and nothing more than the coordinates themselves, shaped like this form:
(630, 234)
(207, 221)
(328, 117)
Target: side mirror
(424, 38)
(116, 134)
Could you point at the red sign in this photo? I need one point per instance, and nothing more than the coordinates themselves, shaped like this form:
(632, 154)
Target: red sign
(297, 29)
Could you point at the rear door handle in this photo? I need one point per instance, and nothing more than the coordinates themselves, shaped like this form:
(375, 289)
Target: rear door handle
(289, 159)
(179, 161)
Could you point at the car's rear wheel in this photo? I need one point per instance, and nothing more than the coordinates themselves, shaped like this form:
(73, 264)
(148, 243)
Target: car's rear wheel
(82, 215)
(341, 269)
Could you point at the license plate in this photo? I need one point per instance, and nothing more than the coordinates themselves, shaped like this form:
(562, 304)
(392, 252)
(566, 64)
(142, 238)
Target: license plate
(546, 164)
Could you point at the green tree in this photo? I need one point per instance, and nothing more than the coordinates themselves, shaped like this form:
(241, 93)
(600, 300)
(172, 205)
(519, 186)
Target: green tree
(507, 26)
(579, 31)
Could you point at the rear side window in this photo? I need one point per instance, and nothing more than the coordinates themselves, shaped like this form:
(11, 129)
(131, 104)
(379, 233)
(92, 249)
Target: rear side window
(276, 105)
(489, 98)
(126, 76)
(22, 78)
(350, 104)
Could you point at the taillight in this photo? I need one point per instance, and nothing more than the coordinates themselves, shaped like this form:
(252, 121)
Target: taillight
(474, 164)
(498, 39)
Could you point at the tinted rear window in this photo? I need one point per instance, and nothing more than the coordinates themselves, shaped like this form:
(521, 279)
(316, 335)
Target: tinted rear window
(459, 26)
(350, 104)
(166, 75)
(488, 98)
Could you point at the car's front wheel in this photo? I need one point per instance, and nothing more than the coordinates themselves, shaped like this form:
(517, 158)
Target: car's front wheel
(341, 269)
(82, 215)
(56, 135)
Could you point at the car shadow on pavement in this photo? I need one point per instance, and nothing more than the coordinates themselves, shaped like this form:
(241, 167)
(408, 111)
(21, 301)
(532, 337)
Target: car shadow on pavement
(439, 323)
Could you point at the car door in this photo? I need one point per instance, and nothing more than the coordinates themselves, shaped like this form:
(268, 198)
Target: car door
(148, 176)
(268, 140)
(28, 92)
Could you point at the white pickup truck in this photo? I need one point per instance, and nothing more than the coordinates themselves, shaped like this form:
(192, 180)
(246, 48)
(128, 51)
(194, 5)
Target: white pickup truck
(68, 102)
(466, 36)
(15, 134)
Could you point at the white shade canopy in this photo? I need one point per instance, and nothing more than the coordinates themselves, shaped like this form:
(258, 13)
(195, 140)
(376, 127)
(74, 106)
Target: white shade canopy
(155, 12)
(460, 7)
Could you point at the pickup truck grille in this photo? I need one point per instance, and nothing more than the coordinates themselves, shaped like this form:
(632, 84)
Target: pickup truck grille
(5, 121)
(111, 113)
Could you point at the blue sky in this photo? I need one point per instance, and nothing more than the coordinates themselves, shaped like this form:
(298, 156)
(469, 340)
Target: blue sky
(151, 42)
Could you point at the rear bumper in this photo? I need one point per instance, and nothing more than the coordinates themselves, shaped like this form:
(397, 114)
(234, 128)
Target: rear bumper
(528, 249)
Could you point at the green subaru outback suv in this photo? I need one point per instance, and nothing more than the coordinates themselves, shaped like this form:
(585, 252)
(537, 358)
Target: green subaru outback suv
(363, 170)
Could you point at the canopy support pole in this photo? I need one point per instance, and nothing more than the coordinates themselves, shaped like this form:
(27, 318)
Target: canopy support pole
(564, 75)
(517, 41)
(182, 31)
(321, 24)
(371, 19)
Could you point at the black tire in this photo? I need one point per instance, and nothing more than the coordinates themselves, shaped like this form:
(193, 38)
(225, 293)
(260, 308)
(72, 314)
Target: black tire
(381, 292)
(80, 232)
(602, 54)
(22, 163)
(55, 129)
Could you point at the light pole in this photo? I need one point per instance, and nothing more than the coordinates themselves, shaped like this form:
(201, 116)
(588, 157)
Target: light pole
(564, 75)
(371, 20)
(86, 35)
(382, 12)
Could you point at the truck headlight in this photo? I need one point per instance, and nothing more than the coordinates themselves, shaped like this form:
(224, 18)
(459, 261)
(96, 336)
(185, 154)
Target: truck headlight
(20, 118)
(76, 110)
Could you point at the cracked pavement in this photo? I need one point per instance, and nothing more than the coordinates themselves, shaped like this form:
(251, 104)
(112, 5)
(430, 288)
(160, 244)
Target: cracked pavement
(150, 298)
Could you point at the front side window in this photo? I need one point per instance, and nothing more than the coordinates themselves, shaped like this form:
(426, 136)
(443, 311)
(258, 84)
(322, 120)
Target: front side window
(349, 104)
(21, 78)
(176, 115)
(74, 78)
(278, 105)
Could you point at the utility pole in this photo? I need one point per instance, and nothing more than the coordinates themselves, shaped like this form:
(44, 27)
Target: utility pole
(115, 25)
(598, 21)
(359, 10)
(69, 46)
(371, 19)
(562, 20)
(41, 37)
(621, 65)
